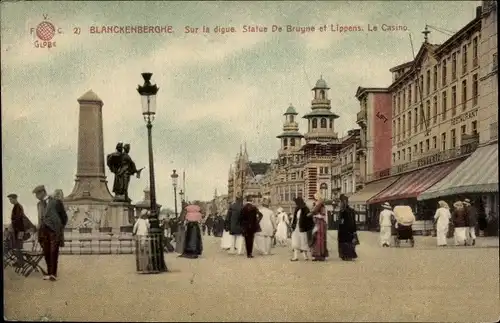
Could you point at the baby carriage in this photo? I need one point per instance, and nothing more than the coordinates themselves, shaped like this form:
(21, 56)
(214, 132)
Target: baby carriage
(403, 225)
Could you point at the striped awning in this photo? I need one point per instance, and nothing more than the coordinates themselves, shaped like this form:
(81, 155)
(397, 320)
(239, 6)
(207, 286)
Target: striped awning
(412, 184)
(477, 174)
(371, 189)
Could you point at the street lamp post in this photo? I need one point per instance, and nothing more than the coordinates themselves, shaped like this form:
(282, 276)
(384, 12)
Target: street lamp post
(175, 177)
(181, 194)
(148, 101)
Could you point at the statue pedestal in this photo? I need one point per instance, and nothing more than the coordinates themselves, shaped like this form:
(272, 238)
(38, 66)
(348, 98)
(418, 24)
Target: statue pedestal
(119, 214)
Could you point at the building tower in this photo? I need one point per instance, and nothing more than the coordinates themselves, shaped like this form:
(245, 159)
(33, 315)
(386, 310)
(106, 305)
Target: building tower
(322, 142)
(90, 196)
(289, 183)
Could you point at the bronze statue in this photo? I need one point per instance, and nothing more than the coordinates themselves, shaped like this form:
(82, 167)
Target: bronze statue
(120, 164)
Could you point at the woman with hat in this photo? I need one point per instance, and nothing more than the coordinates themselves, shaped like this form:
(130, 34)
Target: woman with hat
(461, 223)
(442, 219)
(141, 230)
(193, 246)
(319, 248)
(385, 223)
(282, 228)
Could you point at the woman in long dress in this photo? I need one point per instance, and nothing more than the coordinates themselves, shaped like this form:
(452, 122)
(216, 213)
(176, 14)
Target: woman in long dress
(442, 218)
(347, 236)
(301, 225)
(460, 222)
(193, 246)
(226, 240)
(319, 247)
(282, 228)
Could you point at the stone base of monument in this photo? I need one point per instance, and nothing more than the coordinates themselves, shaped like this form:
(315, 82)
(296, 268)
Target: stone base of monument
(119, 214)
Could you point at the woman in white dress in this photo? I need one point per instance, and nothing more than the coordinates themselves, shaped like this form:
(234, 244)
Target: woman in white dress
(301, 225)
(226, 240)
(442, 219)
(282, 228)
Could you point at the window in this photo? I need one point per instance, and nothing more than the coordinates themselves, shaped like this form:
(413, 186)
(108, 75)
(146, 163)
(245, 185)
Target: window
(421, 90)
(415, 122)
(421, 146)
(324, 189)
(399, 155)
(393, 131)
(322, 94)
(416, 91)
(453, 66)
(428, 119)
(464, 59)
(331, 120)
(444, 107)
(474, 127)
(464, 94)
(409, 154)
(463, 129)
(398, 103)
(474, 90)
(427, 144)
(422, 118)
(393, 157)
(403, 154)
(403, 129)
(393, 105)
(453, 138)
(323, 123)
(443, 141)
(443, 73)
(474, 52)
(435, 105)
(285, 143)
(453, 101)
(415, 149)
(315, 123)
(435, 79)
(292, 142)
(428, 81)
(403, 103)
(409, 123)
(434, 142)
(398, 129)
(409, 95)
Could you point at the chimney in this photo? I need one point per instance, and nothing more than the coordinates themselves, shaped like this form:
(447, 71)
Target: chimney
(479, 11)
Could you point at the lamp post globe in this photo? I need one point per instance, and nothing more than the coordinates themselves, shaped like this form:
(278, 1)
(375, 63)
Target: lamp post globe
(175, 177)
(148, 92)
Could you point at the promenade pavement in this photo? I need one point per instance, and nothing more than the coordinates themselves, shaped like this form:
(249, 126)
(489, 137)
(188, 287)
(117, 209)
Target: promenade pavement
(453, 284)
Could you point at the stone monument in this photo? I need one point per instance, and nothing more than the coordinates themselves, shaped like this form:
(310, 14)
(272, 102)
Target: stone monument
(90, 197)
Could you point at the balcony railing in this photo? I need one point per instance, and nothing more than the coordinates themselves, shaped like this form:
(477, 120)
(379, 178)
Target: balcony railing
(494, 130)
(443, 156)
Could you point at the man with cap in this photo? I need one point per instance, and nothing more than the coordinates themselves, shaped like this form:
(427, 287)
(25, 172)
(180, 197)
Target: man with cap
(17, 225)
(472, 215)
(51, 221)
(249, 224)
(385, 223)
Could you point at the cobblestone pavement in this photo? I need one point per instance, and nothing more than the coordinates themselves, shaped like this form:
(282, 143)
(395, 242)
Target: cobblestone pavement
(458, 284)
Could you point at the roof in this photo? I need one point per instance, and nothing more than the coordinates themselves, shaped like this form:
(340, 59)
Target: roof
(259, 168)
(401, 66)
(320, 113)
(321, 84)
(371, 189)
(90, 96)
(290, 111)
(291, 134)
(364, 90)
(477, 174)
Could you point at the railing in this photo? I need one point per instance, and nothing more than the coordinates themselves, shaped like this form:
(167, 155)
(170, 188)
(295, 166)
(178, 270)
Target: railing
(361, 116)
(437, 158)
(494, 130)
(320, 101)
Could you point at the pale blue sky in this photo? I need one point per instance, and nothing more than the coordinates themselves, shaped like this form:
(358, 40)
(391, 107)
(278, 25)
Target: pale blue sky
(216, 91)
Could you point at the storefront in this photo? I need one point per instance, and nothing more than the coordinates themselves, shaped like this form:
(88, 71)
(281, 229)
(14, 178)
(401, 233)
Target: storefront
(358, 201)
(406, 189)
(476, 179)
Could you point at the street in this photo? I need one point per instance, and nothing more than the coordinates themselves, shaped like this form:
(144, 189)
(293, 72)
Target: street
(458, 284)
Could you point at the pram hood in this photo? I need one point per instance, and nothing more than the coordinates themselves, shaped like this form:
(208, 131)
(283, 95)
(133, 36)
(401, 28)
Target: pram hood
(404, 215)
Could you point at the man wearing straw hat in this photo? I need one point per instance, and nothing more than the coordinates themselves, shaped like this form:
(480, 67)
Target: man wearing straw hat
(472, 215)
(385, 222)
(51, 221)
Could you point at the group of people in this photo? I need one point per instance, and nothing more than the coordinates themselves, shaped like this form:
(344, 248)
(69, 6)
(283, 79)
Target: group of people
(246, 222)
(463, 219)
(212, 224)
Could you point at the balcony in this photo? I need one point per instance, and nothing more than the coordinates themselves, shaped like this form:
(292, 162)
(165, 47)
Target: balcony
(321, 101)
(349, 167)
(437, 158)
(361, 118)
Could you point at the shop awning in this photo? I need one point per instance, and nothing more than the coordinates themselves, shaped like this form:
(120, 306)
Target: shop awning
(477, 174)
(371, 189)
(412, 184)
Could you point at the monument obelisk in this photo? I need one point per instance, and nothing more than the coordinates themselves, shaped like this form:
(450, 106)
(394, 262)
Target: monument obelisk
(90, 197)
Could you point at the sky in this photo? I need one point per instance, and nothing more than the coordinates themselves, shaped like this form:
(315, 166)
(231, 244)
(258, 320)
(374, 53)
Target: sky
(216, 91)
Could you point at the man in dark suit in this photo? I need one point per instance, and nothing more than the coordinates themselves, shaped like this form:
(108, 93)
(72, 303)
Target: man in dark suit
(52, 219)
(234, 216)
(20, 226)
(249, 224)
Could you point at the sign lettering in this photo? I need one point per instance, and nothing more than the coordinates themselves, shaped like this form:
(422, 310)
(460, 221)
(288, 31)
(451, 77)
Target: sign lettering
(463, 117)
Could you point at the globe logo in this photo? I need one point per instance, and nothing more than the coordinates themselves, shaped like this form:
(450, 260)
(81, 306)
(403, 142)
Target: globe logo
(45, 31)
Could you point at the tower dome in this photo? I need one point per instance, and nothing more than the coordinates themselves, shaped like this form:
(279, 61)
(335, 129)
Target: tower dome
(321, 84)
